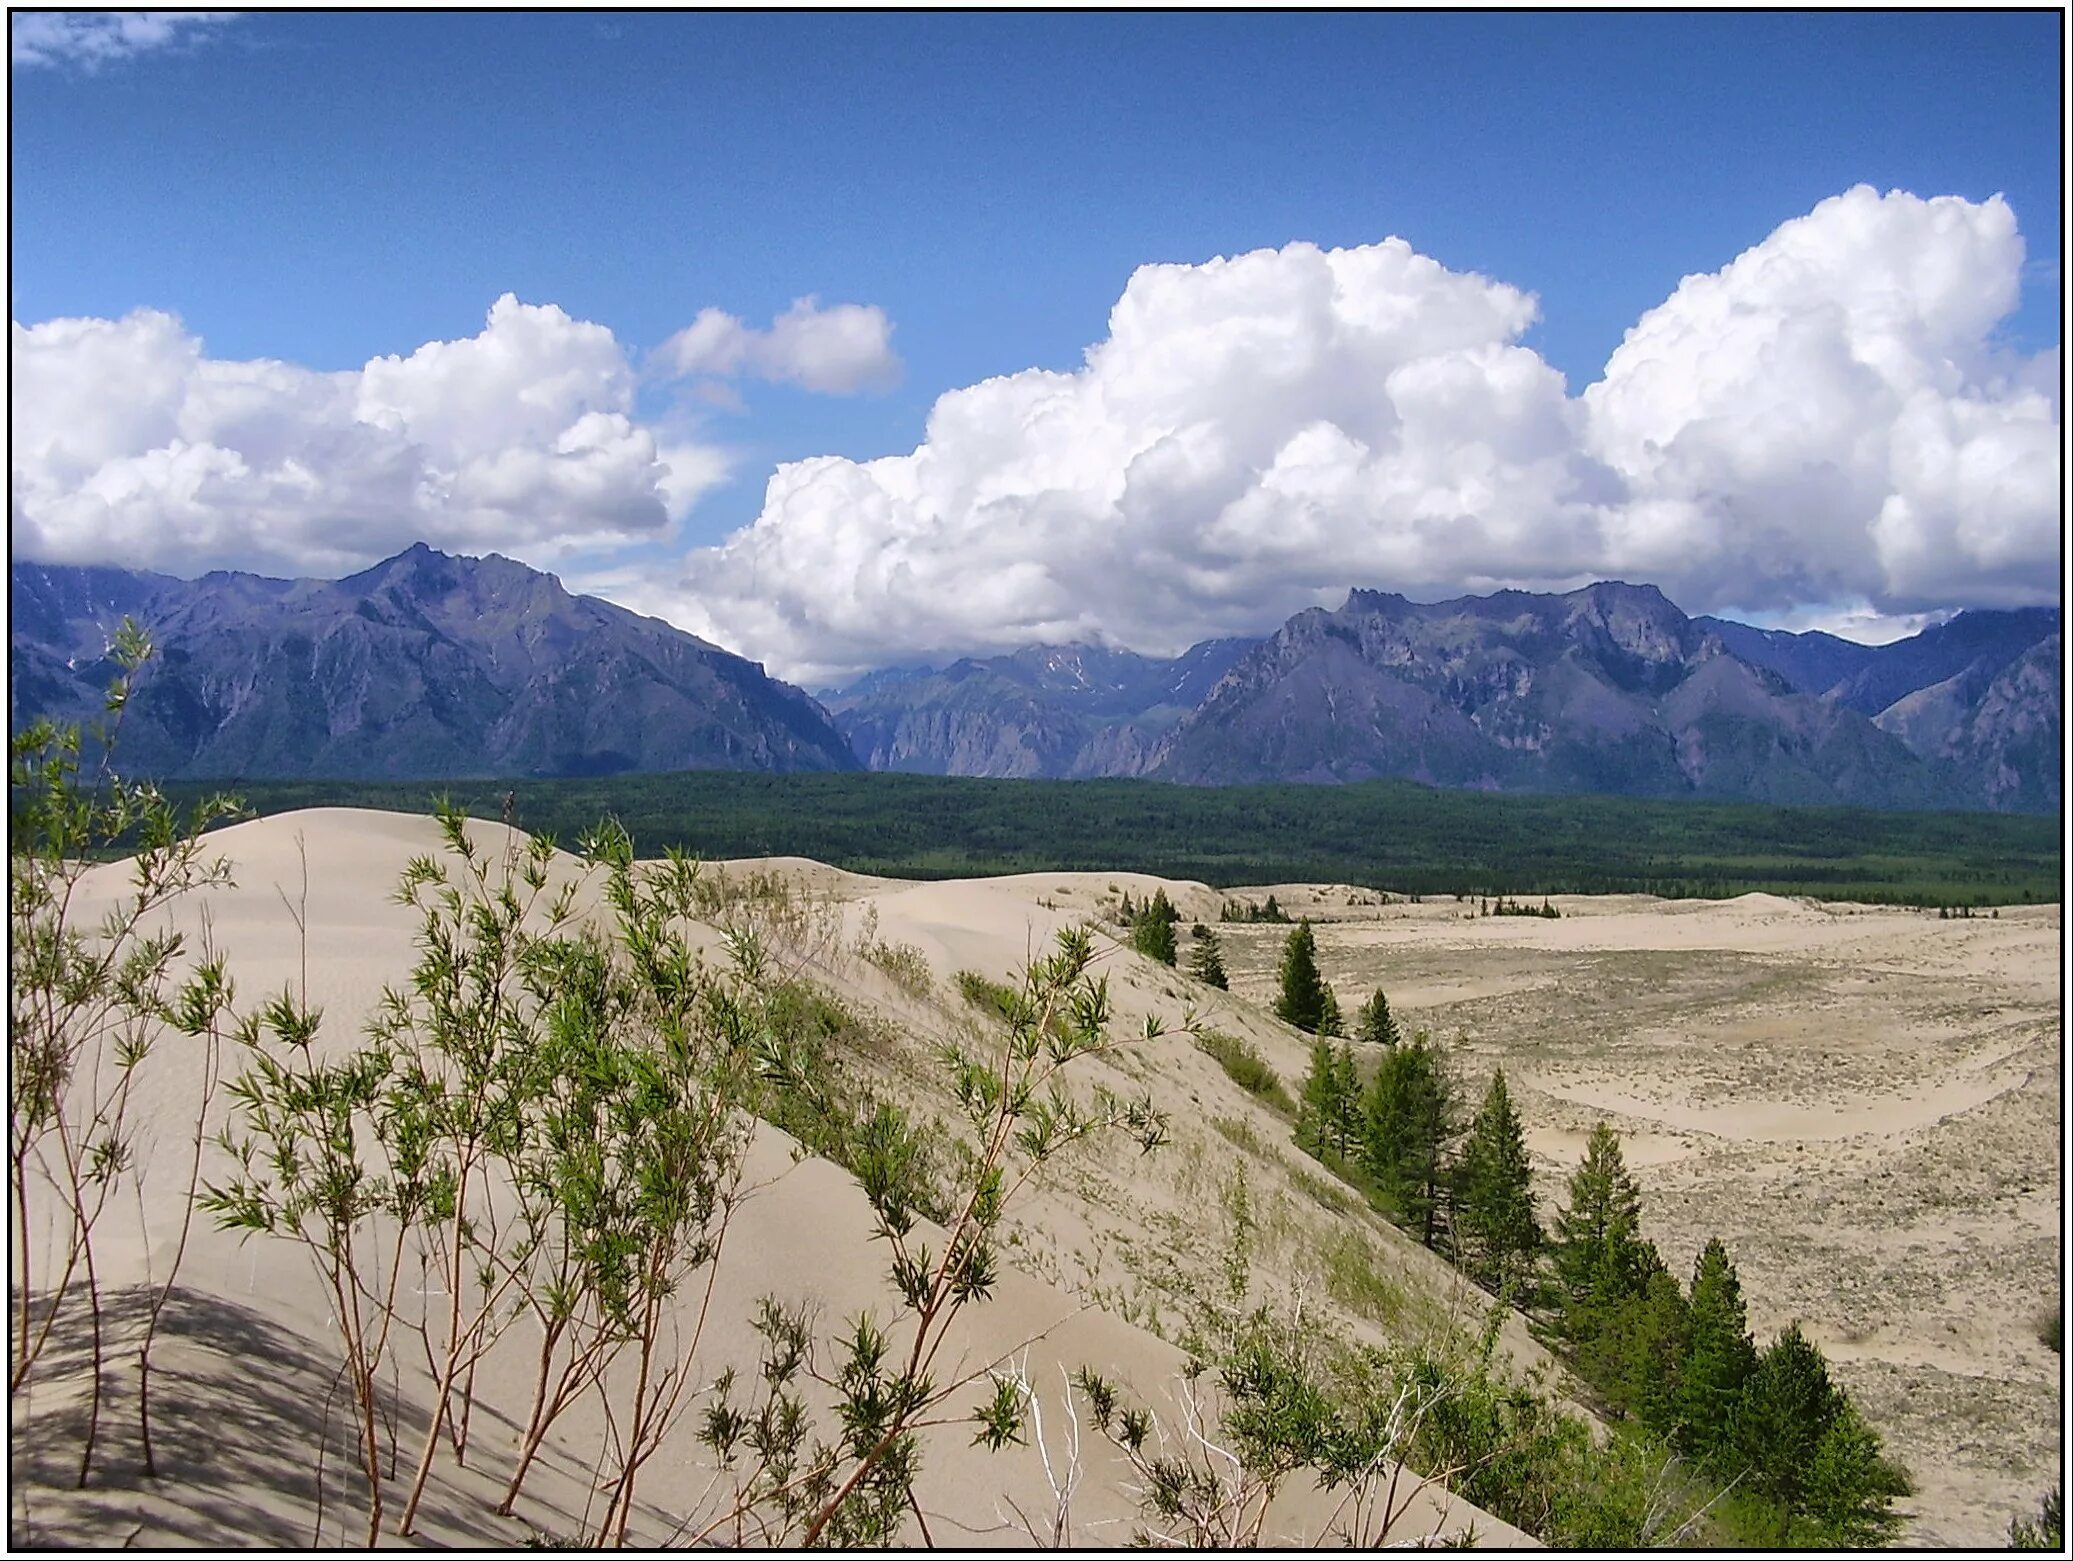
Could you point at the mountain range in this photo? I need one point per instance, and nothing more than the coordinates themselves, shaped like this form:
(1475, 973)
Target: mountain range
(1610, 688)
(423, 666)
(1045, 710)
(430, 666)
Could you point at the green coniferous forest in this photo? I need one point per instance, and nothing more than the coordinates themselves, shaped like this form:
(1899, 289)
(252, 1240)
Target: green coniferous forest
(1392, 834)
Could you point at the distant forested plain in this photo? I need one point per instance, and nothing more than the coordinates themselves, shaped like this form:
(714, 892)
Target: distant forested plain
(1391, 835)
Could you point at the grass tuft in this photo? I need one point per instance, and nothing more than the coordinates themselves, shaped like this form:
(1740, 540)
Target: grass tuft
(1247, 1069)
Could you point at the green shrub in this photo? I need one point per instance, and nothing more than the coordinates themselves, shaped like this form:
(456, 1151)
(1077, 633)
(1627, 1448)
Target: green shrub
(1521, 1459)
(1247, 1069)
(1322, 1191)
(818, 1099)
(89, 1002)
(1239, 1134)
(2046, 1531)
(906, 964)
(1351, 1279)
(987, 995)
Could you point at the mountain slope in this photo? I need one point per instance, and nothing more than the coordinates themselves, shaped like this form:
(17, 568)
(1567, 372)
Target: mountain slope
(1978, 696)
(1609, 688)
(1813, 662)
(1942, 651)
(1045, 710)
(1869, 678)
(423, 666)
(2004, 728)
(431, 666)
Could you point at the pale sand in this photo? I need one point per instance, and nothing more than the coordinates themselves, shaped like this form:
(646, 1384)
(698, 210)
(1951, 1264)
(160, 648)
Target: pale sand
(1865, 1103)
(245, 1387)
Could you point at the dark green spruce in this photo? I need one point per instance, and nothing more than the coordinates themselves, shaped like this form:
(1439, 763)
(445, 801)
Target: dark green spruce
(1497, 1232)
(1206, 958)
(1303, 993)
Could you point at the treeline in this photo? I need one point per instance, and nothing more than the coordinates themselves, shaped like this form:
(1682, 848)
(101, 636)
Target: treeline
(1503, 906)
(1245, 911)
(1796, 1461)
(1382, 834)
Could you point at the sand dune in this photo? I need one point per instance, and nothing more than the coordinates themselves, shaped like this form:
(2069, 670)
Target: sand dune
(246, 1390)
(1864, 1102)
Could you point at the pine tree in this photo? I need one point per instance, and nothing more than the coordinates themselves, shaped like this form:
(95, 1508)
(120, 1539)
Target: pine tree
(1847, 1501)
(1301, 1002)
(1206, 959)
(1328, 1119)
(1721, 1358)
(1605, 1329)
(1375, 1024)
(1787, 1406)
(1317, 1112)
(1328, 1020)
(1598, 1237)
(1152, 932)
(1657, 1330)
(1389, 1144)
(1345, 1101)
(1409, 1127)
(1496, 1224)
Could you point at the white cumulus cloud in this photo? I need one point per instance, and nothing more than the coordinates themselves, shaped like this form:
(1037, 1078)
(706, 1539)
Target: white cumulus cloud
(88, 40)
(1827, 418)
(130, 445)
(1830, 418)
(839, 350)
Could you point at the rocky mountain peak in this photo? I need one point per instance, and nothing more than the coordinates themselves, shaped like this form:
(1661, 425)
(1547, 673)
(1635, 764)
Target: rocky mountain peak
(426, 664)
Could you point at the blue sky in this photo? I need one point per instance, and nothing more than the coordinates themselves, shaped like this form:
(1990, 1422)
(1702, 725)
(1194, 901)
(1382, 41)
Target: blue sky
(322, 189)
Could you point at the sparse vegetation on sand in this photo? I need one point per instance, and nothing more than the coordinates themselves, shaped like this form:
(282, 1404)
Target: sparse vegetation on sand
(1864, 1104)
(984, 993)
(551, 1115)
(606, 1079)
(86, 1008)
(1247, 1069)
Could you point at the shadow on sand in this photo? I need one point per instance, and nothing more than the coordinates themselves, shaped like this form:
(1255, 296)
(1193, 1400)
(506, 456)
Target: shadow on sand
(253, 1434)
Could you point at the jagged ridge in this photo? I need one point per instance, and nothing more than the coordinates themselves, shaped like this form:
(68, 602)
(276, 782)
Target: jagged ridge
(425, 665)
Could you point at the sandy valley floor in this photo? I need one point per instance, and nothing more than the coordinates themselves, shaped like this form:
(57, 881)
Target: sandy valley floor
(1864, 1103)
